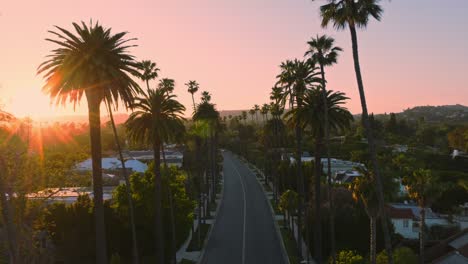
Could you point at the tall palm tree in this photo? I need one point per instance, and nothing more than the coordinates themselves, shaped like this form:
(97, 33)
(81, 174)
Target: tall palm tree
(252, 114)
(322, 52)
(363, 190)
(193, 87)
(256, 108)
(150, 72)
(206, 97)
(244, 116)
(96, 63)
(154, 116)
(167, 85)
(356, 14)
(264, 111)
(295, 78)
(311, 115)
(424, 188)
(128, 190)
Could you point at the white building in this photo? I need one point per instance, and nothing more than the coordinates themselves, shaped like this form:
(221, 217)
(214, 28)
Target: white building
(113, 164)
(67, 195)
(406, 218)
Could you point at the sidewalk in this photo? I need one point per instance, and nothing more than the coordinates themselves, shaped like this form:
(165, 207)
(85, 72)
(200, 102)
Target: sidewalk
(195, 256)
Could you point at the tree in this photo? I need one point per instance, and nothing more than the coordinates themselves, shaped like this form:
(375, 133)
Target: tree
(252, 113)
(363, 190)
(244, 116)
(288, 205)
(256, 108)
(352, 14)
(96, 63)
(127, 189)
(167, 85)
(311, 115)
(295, 78)
(322, 52)
(401, 255)
(193, 87)
(424, 187)
(150, 72)
(264, 111)
(154, 117)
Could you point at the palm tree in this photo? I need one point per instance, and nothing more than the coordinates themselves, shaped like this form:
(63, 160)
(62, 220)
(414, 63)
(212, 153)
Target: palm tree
(311, 115)
(256, 108)
(150, 71)
(322, 52)
(355, 14)
(244, 116)
(206, 97)
(154, 116)
(128, 190)
(264, 111)
(96, 63)
(193, 87)
(363, 190)
(425, 188)
(252, 113)
(167, 85)
(295, 78)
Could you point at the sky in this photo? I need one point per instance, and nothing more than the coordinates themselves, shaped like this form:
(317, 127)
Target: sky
(417, 54)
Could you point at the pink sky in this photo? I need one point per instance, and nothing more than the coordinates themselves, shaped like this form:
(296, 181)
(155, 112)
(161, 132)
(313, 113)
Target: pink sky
(416, 56)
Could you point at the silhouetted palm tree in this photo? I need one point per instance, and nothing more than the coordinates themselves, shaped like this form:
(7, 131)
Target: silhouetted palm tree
(311, 115)
(96, 63)
(355, 14)
(256, 108)
(295, 78)
(264, 111)
(154, 117)
(322, 52)
(193, 87)
(150, 71)
(167, 85)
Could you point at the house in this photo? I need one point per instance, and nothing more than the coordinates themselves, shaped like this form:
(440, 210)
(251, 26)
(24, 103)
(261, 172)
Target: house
(173, 156)
(453, 250)
(406, 217)
(113, 164)
(67, 195)
(346, 176)
(337, 165)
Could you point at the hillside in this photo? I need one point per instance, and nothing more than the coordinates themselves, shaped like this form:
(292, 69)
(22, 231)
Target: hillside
(447, 113)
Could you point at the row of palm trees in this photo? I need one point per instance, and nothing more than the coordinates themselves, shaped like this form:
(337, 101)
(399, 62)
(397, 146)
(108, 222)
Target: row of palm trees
(302, 86)
(94, 62)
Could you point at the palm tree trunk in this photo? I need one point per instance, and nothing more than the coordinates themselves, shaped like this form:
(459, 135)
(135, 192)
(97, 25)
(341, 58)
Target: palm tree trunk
(194, 106)
(329, 180)
(7, 215)
(373, 241)
(96, 155)
(300, 186)
(158, 202)
(372, 146)
(317, 200)
(422, 235)
(171, 207)
(147, 84)
(127, 189)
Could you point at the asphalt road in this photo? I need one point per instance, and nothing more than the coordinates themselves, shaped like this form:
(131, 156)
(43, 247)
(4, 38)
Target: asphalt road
(244, 232)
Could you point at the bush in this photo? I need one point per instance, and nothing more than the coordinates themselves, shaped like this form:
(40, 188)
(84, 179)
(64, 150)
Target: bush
(348, 257)
(402, 255)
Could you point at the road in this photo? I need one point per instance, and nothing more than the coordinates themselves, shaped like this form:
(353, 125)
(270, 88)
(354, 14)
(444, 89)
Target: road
(244, 232)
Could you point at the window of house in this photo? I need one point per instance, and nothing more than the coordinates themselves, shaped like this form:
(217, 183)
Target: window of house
(405, 223)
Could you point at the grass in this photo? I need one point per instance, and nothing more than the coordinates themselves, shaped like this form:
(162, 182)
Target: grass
(291, 245)
(186, 261)
(194, 246)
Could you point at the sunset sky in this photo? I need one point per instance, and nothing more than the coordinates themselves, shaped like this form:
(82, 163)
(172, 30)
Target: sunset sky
(417, 55)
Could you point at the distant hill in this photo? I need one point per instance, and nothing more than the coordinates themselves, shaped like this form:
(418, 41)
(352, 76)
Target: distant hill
(450, 113)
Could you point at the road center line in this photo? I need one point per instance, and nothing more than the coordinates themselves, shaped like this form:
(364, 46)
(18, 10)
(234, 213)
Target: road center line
(245, 211)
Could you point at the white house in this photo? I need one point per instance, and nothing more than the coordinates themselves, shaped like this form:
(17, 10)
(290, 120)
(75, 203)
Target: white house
(113, 164)
(346, 176)
(406, 218)
(67, 195)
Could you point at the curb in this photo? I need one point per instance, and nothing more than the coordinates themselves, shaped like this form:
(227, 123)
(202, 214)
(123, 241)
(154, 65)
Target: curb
(207, 238)
(273, 214)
